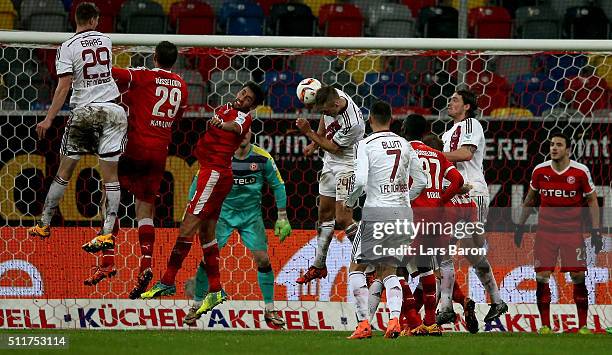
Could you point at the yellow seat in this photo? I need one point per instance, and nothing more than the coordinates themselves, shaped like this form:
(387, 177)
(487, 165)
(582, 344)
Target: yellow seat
(511, 112)
(359, 66)
(7, 15)
(470, 3)
(166, 4)
(315, 5)
(603, 67)
(121, 60)
(263, 110)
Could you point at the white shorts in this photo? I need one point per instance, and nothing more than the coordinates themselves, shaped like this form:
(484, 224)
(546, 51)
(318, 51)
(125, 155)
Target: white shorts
(336, 185)
(98, 128)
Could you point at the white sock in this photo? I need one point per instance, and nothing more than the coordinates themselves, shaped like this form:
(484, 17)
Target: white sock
(55, 194)
(393, 290)
(358, 285)
(374, 299)
(447, 271)
(487, 279)
(113, 197)
(326, 232)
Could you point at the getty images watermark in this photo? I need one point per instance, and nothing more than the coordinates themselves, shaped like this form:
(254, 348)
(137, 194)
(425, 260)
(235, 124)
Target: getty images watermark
(430, 236)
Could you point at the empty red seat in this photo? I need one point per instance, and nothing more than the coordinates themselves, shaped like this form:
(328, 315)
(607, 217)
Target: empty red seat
(341, 20)
(493, 90)
(267, 4)
(416, 5)
(490, 22)
(586, 93)
(192, 17)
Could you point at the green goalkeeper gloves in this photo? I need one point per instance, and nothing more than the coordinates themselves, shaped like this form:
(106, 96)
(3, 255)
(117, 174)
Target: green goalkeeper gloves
(282, 228)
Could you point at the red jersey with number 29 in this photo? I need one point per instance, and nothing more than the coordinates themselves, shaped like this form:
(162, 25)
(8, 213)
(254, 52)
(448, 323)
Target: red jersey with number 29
(216, 146)
(156, 99)
(436, 167)
(565, 190)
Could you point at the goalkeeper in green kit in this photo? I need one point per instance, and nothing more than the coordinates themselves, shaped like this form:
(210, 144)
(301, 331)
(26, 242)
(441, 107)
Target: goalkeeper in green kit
(241, 211)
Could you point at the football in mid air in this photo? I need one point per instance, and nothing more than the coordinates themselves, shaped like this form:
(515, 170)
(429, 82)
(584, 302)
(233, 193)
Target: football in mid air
(307, 89)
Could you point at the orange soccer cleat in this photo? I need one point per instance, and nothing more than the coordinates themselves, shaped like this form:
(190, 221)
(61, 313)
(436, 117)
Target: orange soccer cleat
(100, 274)
(312, 274)
(393, 329)
(363, 331)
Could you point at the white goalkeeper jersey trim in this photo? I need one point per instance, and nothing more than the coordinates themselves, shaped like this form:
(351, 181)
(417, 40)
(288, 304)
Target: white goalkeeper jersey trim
(87, 56)
(345, 130)
(468, 132)
(383, 165)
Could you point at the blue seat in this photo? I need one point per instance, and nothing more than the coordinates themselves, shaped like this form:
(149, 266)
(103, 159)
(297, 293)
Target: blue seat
(281, 87)
(537, 92)
(560, 67)
(391, 87)
(241, 17)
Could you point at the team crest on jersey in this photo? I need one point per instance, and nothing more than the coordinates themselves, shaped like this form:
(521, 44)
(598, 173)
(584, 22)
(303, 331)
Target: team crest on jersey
(253, 166)
(571, 180)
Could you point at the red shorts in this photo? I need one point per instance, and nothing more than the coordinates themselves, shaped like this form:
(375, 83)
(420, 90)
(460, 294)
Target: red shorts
(569, 247)
(461, 208)
(142, 173)
(212, 187)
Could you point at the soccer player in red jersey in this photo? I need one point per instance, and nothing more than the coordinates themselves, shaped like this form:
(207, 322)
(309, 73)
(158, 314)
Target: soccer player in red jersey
(214, 150)
(428, 207)
(155, 100)
(563, 186)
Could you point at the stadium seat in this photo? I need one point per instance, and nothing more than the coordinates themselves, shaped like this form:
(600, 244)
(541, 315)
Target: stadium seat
(315, 5)
(433, 90)
(513, 5)
(391, 87)
(561, 6)
(267, 4)
(342, 80)
(291, 19)
(537, 22)
(470, 4)
(8, 15)
(561, 67)
(195, 86)
(281, 87)
(341, 20)
(225, 84)
(586, 92)
(512, 66)
(46, 16)
(438, 22)
(166, 4)
(109, 9)
(489, 22)
(391, 20)
(603, 63)
(416, 5)
(192, 17)
(313, 66)
(142, 16)
(585, 22)
(358, 66)
(241, 17)
(536, 92)
(493, 90)
(511, 112)
(606, 6)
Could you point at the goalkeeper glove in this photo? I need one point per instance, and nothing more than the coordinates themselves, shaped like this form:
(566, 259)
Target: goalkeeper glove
(518, 235)
(282, 228)
(596, 240)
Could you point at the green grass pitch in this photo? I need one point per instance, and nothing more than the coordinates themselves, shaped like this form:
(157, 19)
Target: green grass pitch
(296, 342)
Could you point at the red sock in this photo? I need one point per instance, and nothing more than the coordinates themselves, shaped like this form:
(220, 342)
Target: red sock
(581, 298)
(108, 257)
(413, 319)
(543, 299)
(211, 265)
(429, 298)
(179, 253)
(116, 227)
(146, 237)
(418, 298)
(458, 295)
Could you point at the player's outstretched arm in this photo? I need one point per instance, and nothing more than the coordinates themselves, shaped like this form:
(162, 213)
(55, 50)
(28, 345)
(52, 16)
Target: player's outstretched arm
(304, 126)
(596, 240)
(230, 126)
(59, 97)
(528, 205)
(456, 183)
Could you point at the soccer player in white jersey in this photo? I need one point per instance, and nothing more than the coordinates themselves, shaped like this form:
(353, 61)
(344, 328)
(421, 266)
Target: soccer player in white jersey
(384, 163)
(96, 124)
(340, 128)
(464, 144)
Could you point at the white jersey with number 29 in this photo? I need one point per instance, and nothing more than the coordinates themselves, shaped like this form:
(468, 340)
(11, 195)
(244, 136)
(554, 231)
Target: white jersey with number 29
(87, 56)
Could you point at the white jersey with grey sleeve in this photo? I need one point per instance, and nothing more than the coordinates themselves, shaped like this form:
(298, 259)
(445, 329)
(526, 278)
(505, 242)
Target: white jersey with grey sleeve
(346, 129)
(383, 165)
(469, 132)
(87, 56)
